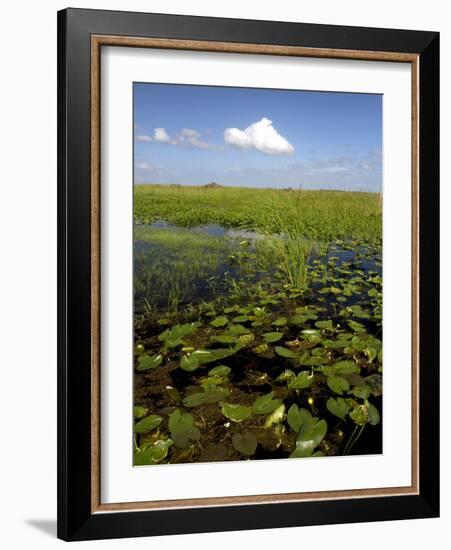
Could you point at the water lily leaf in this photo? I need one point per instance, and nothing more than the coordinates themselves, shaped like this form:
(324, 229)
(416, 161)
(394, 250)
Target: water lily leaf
(356, 326)
(245, 443)
(371, 354)
(296, 417)
(189, 363)
(308, 360)
(266, 404)
(324, 325)
(337, 384)
(379, 356)
(140, 411)
(373, 414)
(375, 383)
(362, 392)
(147, 424)
(152, 454)
(346, 367)
(280, 322)
(275, 417)
(359, 343)
(146, 362)
(219, 322)
(220, 370)
(174, 337)
(335, 344)
(284, 352)
(241, 319)
(338, 407)
(182, 428)
(286, 375)
(237, 330)
(236, 413)
(307, 441)
(303, 380)
(212, 395)
(359, 414)
(271, 337)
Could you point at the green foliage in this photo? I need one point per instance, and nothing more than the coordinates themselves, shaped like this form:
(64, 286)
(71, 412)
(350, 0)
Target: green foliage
(266, 404)
(236, 413)
(146, 362)
(152, 454)
(245, 443)
(182, 429)
(147, 424)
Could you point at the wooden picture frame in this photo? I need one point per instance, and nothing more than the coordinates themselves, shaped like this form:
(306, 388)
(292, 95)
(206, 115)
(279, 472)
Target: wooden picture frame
(81, 35)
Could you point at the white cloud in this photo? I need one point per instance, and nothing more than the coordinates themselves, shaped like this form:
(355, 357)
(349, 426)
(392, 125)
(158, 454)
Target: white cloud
(260, 135)
(190, 133)
(160, 135)
(144, 165)
(187, 137)
(143, 138)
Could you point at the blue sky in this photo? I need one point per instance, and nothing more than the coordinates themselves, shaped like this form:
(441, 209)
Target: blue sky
(254, 137)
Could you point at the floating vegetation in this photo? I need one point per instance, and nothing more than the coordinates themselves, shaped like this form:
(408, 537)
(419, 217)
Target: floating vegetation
(259, 344)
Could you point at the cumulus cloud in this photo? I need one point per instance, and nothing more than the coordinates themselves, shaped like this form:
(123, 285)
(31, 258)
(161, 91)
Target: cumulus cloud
(160, 135)
(260, 135)
(143, 138)
(187, 137)
(189, 133)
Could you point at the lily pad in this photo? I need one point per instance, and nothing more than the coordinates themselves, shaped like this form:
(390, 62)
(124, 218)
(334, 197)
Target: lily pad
(337, 384)
(245, 443)
(189, 363)
(266, 404)
(338, 407)
(182, 428)
(296, 417)
(219, 322)
(324, 325)
(147, 362)
(236, 413)
(238, 330)
(220, 370)
(373, 415)
(139, 411)
(362, 392)
(271, 337)
(309, 439)
(346, 367)
(375, 383)
(152, 454)
(206, 397)
(303, 380)
(284, 352)
(275, 417)
(147, 424)
(241, 319)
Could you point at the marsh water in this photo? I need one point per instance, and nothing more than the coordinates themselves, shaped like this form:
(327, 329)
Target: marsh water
(212, 281)
(248, 365)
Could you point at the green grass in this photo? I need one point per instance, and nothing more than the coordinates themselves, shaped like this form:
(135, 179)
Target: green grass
(175, 261)
(317, 215)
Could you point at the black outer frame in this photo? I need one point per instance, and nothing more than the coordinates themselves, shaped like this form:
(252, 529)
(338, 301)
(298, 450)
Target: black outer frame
(75, 520)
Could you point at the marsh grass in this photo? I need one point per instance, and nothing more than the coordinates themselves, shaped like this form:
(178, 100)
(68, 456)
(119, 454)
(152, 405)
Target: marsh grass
(171, 266)
(319, 215)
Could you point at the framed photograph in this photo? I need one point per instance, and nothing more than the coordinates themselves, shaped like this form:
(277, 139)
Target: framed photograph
(248, 274)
